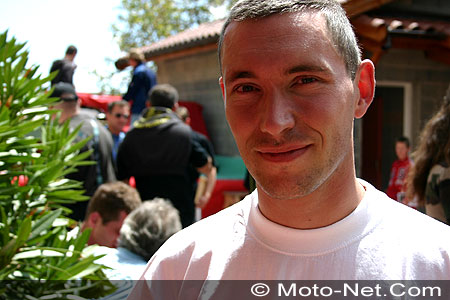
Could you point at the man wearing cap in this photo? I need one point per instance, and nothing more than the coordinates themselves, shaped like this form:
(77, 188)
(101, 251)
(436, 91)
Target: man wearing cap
(101, 142)
(142, 81)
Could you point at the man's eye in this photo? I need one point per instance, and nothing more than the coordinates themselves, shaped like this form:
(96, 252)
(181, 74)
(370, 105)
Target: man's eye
(308, 80)
(245, 88)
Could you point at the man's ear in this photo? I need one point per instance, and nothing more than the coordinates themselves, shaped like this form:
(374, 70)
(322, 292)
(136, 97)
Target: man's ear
(366, 86)
(222, 87)
(94, 218)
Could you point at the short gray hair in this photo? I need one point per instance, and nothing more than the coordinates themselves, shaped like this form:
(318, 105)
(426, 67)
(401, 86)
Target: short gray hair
(146, 228)
(338, 25)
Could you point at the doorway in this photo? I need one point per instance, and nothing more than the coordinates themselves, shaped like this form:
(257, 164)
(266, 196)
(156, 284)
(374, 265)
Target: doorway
(381, 126)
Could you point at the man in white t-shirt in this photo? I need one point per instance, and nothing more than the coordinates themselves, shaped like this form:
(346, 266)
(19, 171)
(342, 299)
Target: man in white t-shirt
(293, 82)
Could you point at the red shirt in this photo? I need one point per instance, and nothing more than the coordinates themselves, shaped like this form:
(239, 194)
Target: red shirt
(399, 170)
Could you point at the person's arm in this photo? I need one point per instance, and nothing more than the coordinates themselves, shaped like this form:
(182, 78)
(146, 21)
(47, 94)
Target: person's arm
(211, 178)
(206, 168)
(208, 180)
(436, 195)
(130, 95)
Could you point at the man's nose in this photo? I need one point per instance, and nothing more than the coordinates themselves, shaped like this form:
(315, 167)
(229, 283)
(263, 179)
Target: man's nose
(277, 114)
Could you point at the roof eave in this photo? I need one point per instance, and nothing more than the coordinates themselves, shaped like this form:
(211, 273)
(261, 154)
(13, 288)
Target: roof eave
(150, 54)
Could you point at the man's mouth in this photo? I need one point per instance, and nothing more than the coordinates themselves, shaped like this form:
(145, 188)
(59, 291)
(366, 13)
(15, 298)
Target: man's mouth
(283, 155)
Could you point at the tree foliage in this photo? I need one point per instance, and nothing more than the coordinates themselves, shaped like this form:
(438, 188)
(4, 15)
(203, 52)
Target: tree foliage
(38, 258)
(146, 21)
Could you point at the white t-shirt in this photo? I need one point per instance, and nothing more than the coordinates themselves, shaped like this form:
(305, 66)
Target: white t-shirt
(380, 240)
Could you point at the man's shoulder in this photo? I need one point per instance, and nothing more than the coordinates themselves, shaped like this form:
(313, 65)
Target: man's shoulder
(142, 68)
(89, 118)
(56, 65)
(59, 64)
(440, 170)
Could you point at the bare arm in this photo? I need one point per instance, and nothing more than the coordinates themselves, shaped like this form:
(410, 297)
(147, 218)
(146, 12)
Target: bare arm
(211, 178)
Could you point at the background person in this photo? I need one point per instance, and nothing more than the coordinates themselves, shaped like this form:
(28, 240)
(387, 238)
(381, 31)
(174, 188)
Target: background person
(210, 178)
(144, 230)
(65, 67)
(117, 117)
(158, 151)
(100, 143)
(107, 210)
(429, 179)
(293, 82)
(142, 81)
(399, 170)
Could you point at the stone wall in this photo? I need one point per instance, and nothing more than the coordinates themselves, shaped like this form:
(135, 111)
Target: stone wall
(197, 79)
(429, 80)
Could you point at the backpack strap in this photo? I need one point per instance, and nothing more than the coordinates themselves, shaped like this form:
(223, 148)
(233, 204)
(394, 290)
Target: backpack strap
(96, 133)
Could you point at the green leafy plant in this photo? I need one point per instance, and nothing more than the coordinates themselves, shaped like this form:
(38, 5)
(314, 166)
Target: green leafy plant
(39, 257)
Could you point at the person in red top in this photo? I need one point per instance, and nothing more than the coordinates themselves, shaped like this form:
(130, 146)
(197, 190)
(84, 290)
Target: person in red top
(397, 183)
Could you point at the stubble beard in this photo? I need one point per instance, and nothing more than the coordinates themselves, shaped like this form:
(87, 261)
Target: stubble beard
(287, 184)
(286, 187)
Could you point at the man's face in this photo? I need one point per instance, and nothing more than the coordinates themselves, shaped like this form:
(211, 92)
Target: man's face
(106, 234)
(401, 150)
(61, 103)
(117, 118)
(132, 62)
(289, 101)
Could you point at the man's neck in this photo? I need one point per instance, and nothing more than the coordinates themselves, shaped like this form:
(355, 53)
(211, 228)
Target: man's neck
(335, 199)
(69, 57)
(114, 132)
(66, 115)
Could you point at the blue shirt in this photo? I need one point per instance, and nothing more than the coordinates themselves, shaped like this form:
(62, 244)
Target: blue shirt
(141, 83)
(117, 139)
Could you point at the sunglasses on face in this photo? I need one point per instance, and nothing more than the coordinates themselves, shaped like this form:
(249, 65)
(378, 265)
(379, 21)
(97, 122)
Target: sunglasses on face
(121, 116)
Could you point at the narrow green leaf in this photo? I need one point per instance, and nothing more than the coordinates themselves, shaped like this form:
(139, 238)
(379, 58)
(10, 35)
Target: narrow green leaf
(77, 146)
(92, 268)
(73, 271)
(5, 228)
(64, 194)
(24, 232)
(7, 252)
(44, 223)
(82, 240)
(43, 238)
